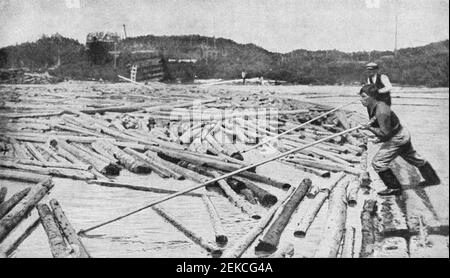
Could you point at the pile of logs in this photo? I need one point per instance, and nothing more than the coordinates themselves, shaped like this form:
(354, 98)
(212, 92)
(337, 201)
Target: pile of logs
(18, 210)
(95, 136)
(21, 76)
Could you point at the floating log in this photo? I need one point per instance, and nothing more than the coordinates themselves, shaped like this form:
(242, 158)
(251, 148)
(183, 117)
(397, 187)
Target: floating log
(66, 228)
(20, 150)
(46, 164)
(13, 241)
(159, 169)
(125, 159)
(335, 227)
(6, 206)
(221, 237)
(323, 165)
(210, 162)
(215, 251)
(9, 174)
(195, 158)
(139, 188)
(316, 204)
(271, 239)
(21, 210)
(60, 172)
(264, 197)
(239, 247)
(103, 166)
(392, 220)
(3, 192)
(70, 157)
(58, 246)
(34, 152)
(317, 172)
(364, 177)
(368, 228)
(352, 192)
(235, 199)
(349, 243)
(92, 153)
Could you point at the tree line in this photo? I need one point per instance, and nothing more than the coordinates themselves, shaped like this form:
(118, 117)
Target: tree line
(223, 58)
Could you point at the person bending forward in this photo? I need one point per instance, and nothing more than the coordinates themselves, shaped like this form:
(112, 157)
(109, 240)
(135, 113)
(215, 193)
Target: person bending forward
(396, 141)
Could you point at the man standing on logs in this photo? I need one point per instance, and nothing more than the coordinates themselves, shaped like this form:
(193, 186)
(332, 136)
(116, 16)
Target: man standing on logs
(381, 81)
(396, 142)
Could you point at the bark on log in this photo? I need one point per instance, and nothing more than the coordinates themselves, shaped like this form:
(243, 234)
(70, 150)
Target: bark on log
(93, 153)
(66, 228)
(125, 159)
(316, 204)
(241, 246)
(60, 172)
(392, 220)
(103, 166)
(160, 170)
(317, 172)
(10, 174)
(194, 158)
(13, 241)
(349, 242)
(34, 152)
(3, 192)
(323, 165)
(364, 177)
(271, 239)
(6, 206)
(235, 199)
(368, 228)
(335, 227)
(264, 197)
(215, 251)
(21, 210)
(352, 192)
(65, 165)
(58, 246)
(220, 165)
(219, 232)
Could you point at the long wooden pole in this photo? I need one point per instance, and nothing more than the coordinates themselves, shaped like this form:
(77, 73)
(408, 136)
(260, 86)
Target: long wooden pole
(296, 127)
(82, 232)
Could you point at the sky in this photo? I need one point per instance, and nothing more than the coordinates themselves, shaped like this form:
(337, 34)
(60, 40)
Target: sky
(276, 25)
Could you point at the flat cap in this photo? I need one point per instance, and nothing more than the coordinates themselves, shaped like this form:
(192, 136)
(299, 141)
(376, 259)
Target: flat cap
(371, 65)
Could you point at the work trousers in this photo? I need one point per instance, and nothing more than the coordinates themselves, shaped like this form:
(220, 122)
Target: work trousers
(398, 145)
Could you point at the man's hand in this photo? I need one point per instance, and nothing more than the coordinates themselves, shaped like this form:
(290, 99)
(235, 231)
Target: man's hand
(374, 140)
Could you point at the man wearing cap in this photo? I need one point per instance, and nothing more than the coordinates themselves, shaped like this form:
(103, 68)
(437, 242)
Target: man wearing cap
(381, 81)
(396, 141)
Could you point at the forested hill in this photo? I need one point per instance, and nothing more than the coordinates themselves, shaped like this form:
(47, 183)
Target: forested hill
(223, 58)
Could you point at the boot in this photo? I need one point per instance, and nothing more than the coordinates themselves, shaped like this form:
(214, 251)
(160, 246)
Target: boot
(429, 175)
(390, 180)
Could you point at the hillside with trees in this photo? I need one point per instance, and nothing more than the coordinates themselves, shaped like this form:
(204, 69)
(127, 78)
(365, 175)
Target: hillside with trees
(223, 58)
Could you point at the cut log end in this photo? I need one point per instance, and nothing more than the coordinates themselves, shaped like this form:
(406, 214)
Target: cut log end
(237, 156)
(221, 240)
(255, 216)
(300, 234)
(265, 248)
(217, 253)
(269, 200)
(286, 186)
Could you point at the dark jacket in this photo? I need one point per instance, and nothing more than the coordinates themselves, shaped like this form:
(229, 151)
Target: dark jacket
(387, 124)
